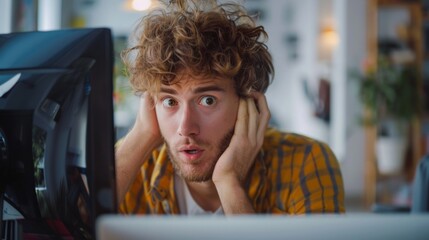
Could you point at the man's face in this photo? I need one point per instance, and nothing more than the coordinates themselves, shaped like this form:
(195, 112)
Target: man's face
(196, 117)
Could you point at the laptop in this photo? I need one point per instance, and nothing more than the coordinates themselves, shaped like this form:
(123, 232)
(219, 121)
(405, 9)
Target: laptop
(346, 226)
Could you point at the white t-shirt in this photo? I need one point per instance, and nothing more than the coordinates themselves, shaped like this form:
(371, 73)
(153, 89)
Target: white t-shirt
(187, 205)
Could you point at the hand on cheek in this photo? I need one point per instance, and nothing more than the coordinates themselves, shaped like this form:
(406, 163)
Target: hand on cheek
(137, 145)
(252, 120)
(146, 121)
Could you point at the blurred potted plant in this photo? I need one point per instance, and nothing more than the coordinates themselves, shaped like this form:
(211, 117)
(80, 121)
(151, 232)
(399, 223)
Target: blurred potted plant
(390, 94)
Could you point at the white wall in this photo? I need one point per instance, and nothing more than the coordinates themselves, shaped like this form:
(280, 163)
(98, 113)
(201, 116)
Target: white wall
(353, 164)
(108, 13)
(290, 107)
(5, 16)
(49, 15)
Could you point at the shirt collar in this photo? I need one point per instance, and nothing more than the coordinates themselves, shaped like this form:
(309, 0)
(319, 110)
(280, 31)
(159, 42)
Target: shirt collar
(163, 175)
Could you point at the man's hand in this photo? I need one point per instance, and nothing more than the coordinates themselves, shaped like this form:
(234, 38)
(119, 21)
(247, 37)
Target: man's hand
(252, 120)
(137, 145)
(146, 123)
(233, 166)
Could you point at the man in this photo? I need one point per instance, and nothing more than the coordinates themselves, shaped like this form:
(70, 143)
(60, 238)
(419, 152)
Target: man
(201, 142)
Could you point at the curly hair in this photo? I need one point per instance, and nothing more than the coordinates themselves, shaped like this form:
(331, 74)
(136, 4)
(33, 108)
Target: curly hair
(206, 40)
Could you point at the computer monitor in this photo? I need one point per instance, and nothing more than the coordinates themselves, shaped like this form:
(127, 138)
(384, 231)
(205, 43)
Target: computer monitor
(357, 226)
(56, 129)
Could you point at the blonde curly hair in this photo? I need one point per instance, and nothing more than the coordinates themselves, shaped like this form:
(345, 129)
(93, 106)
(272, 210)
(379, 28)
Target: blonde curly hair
(202, 38)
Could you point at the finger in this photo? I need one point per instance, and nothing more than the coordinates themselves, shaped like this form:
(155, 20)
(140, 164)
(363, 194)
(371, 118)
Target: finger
(253, 122)
(147, 102)
(264, 113)
(241, 124)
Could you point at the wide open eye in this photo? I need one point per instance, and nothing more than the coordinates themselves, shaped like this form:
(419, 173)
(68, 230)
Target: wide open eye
(208, 101)
(169, 102)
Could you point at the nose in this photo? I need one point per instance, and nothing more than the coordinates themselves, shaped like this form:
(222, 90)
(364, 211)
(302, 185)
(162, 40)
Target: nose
(188, 121)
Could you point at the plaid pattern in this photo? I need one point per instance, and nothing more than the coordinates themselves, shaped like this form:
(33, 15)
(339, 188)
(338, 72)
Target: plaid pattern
(293, 174)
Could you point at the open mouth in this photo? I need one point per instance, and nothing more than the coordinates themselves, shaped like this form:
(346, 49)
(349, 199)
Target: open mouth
(193, 151)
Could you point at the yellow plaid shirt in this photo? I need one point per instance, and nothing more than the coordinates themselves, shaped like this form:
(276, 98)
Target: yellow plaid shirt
(292, 175)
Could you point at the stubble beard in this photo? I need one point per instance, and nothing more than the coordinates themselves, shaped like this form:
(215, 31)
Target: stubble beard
(206, 174)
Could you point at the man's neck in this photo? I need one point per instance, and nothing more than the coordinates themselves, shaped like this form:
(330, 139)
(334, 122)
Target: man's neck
(205, 195)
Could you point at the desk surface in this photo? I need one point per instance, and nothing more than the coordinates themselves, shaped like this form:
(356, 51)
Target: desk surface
(347, 226)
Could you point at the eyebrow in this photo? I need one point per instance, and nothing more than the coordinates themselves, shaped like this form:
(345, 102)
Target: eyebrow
(196, 90)
(212, 88)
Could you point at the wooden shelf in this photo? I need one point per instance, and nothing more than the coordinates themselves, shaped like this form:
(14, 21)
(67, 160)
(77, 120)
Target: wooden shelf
(372, 177)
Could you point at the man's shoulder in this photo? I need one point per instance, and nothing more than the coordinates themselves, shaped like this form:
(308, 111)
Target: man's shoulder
(295, 150)
(275, 138)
